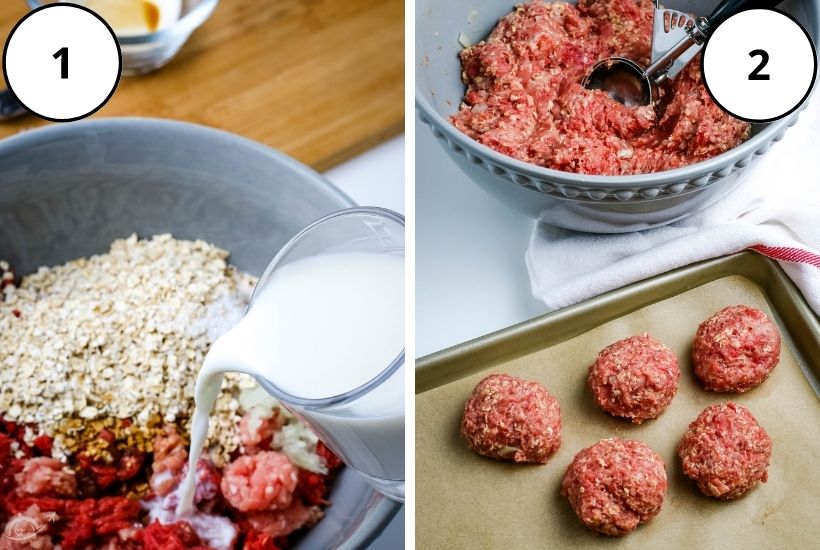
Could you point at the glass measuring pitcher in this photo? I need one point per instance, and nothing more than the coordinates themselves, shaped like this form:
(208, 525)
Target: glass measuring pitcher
(364, 425)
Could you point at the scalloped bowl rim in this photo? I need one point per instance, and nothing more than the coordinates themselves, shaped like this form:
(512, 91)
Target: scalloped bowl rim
(685, 174)
(675, 176)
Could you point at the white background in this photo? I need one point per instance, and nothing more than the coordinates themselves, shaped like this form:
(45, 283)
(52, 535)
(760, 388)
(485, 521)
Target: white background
(471, 278)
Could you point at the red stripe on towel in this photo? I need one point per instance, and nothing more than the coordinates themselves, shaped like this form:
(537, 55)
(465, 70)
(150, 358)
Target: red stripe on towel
(788, 254)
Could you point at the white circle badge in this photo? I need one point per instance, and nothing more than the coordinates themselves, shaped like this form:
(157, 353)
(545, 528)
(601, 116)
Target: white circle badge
(759, 65)
(62, 62)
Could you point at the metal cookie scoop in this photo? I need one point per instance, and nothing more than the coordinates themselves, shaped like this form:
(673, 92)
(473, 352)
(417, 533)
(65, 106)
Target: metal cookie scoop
(627, 82)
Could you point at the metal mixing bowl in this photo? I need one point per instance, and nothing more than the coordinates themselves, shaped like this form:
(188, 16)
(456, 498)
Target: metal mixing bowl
(607, 204)
(69, 190)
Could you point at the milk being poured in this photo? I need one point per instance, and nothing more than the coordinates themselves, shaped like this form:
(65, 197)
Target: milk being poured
(321, 326)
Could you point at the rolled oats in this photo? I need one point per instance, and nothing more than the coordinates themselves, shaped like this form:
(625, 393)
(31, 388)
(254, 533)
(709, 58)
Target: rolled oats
(120, 335)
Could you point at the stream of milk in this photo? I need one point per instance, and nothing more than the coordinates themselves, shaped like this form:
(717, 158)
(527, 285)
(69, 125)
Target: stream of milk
(321, 326)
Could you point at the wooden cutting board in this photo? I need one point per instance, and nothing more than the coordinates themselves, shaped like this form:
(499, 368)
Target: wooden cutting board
(321, 80)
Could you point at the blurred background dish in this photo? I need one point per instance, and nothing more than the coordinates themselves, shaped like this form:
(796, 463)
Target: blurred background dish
(150, 32)
(283, 73)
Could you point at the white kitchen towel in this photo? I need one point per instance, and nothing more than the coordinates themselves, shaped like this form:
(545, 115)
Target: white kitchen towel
(775, 211)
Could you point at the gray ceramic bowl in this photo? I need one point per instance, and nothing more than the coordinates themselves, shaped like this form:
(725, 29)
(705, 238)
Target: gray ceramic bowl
(608, 204)
(69, 190)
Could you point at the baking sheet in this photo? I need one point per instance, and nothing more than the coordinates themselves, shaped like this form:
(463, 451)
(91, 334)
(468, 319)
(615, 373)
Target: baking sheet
(468, 501)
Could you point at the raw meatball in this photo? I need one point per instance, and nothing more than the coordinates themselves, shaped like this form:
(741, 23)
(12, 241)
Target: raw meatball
(725, 451)
(264, 481)
(735, 349)
(508, 418)
(635, 378)
(615, 485)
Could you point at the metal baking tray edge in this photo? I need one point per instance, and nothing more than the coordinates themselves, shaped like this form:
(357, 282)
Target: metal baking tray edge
(786, 301)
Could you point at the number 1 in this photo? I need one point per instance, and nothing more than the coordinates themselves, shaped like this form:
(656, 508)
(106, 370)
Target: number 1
(62, 54)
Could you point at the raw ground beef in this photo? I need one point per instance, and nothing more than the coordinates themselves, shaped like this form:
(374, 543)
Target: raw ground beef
(635, 378)
(726, 451)
(170, 459)
(525, 99)
(174, 536)
(264, 481)
(44, 476)
(615, 485)
(508, 418)
(736, 349)
(111, 481)
(76, 511)
(15, 531)
(256, 430)
(280, 523)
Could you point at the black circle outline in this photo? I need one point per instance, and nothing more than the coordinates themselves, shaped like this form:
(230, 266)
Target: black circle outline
(119, 57)
(799, 103)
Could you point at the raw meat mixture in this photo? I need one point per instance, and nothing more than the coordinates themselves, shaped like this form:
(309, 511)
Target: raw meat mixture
(525, 99)
(636, 378)
(736, 349)
(76, 478)
(615, 485)
(256, 502)
(508, 418)
(726, 451)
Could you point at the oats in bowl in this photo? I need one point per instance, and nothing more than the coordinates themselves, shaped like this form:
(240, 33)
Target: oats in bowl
(100, 358)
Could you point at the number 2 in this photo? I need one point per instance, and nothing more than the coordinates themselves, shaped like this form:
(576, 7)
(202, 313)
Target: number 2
(764, 58)
(62, 55)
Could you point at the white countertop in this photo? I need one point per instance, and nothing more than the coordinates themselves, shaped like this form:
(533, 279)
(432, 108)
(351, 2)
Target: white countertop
(376, 178)
(470, 273)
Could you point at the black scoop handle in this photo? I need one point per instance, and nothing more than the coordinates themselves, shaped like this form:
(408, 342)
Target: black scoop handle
(728, 8)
